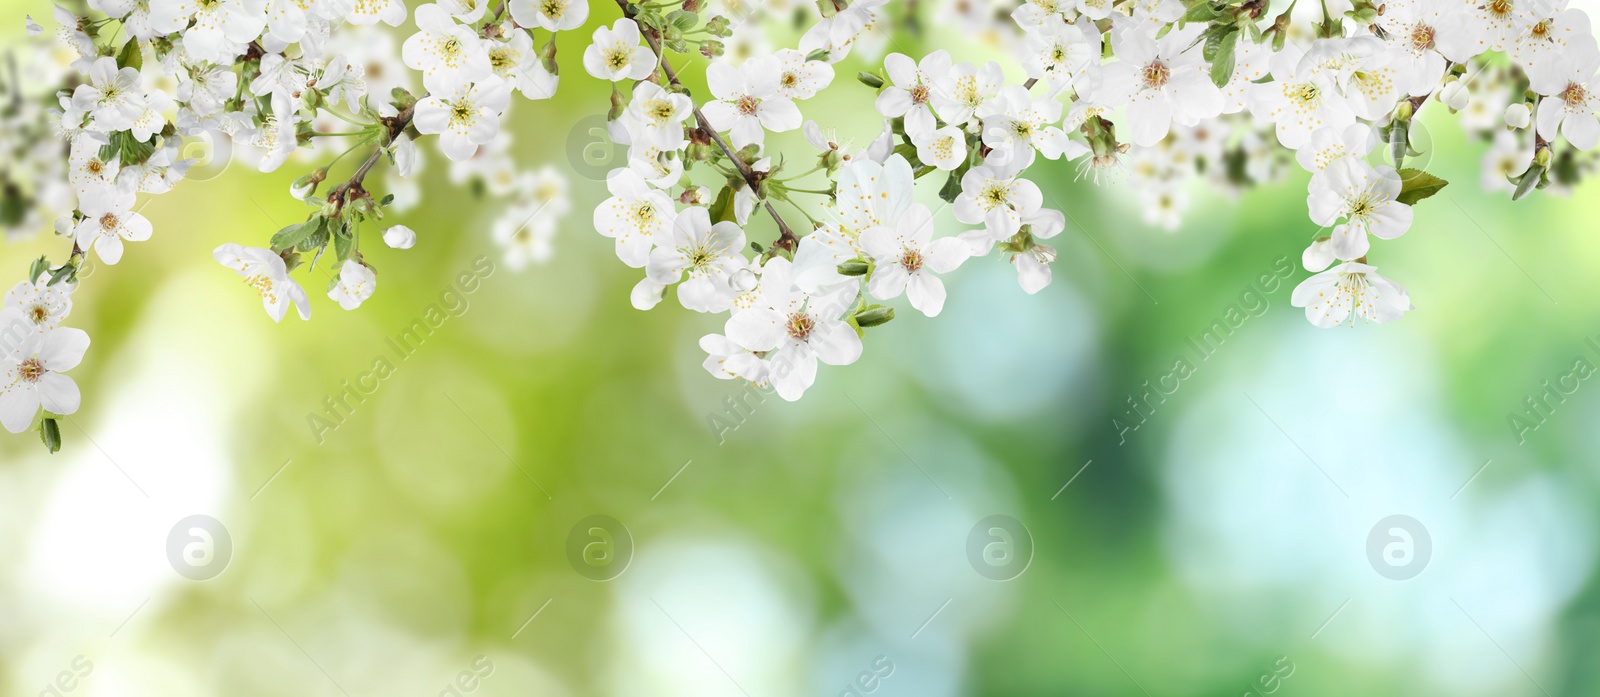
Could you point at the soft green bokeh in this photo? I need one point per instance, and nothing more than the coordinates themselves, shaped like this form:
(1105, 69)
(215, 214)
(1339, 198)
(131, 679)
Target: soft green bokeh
(784, 557)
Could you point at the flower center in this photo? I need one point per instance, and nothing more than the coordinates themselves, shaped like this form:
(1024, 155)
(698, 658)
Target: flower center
(789, 80)
(659, 110)
(944, 147)
(645, 214)
(747, 105)
(462, 115)
(1362, 207)
(503, 59)
(31, 370)
(1156, 75)
(800, 326)
(1304, 94)
(919, 94)
(993, 195)
(1541, 31)
(911, 259)
(1422, 37)
(108, 222)
(619, 57)
(553, 8)
(1575, 94)
(38, 313)
(1501, 9)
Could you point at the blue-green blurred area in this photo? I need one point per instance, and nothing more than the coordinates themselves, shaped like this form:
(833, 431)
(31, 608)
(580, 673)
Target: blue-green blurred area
(1194, 486)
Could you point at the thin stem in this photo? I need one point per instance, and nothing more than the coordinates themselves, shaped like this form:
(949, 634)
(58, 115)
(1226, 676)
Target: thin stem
(786, 237)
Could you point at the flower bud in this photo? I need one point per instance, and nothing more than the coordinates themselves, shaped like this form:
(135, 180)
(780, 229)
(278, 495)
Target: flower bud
(399, 237)
(1518, 116)
(854, 267)
(870, 80)
(874, 316)
(1455, 96)
(307, 185)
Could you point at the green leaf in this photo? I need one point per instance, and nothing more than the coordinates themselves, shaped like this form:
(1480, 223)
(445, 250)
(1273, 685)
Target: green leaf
(1202, 11)
(722, 209)
(291, 236)
(343, 243)
(1418, 185)
(130, 56)
(1222, 58)
(50, 435)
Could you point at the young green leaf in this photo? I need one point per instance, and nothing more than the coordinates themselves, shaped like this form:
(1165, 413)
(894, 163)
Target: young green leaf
(1418, 185)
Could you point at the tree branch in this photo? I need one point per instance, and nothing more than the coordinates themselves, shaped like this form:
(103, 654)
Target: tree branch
(786, 239)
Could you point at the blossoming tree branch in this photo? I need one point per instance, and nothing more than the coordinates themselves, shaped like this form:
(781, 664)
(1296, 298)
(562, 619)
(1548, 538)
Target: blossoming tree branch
(1232, 92)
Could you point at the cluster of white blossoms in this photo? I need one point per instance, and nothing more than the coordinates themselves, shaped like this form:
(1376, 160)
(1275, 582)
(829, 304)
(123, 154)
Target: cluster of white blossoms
(1237, 92)
(263, 82)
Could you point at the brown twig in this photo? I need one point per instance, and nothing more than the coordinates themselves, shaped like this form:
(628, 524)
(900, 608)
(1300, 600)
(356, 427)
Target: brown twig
(341, 193)
(786, 238)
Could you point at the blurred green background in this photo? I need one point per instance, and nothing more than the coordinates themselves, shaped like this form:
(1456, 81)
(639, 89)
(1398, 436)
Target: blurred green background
(431, 543)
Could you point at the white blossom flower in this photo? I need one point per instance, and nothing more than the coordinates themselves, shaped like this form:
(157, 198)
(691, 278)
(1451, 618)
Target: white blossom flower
(1364, 197)
(526, 232)
(112, 96)
(1507, 158)
(616, 55)
(550, 15)
(1162, 80)
(1347, 291)
(1330, 144)
(655, 116)
(355, 284)
(1298, 101)
(709, 254)
(748, 101)
(108, 220)
(447, 53)
(799, 78)
(800, 327)
(1571, 93)
(636, 216)
(32, 377)
(869, 195)
(910, 94)
(965, 90)
(944, 149)
(368, 12)
(40, 304)
(264, 270)
(1058, 53)
(998, 199)
(465, 116)
(726, 360)
(907, 256)
(1015, 126)
(515, 60)
(222, 27)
